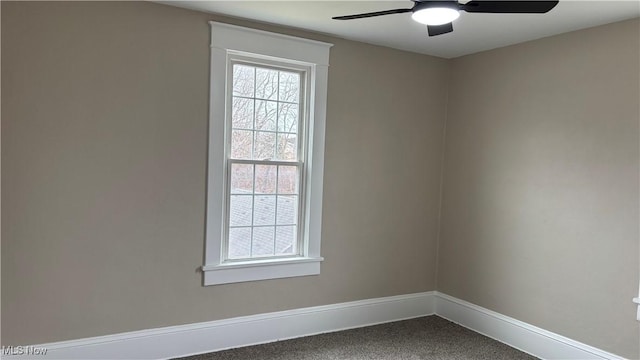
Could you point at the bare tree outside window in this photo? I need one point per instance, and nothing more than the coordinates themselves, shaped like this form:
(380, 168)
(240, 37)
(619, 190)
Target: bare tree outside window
(265, 167)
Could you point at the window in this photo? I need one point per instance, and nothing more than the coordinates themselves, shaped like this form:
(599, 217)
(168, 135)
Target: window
(265, 160)
(266, 150)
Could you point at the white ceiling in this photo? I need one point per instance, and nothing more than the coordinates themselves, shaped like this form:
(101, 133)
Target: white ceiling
(472, 32)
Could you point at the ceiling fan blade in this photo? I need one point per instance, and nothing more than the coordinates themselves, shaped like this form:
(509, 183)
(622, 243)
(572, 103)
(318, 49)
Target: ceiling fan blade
(439, 29)
(371, 14)
(528, 7)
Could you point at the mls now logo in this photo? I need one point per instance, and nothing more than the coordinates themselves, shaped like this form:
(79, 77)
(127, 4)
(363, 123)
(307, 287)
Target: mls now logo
(23, 350)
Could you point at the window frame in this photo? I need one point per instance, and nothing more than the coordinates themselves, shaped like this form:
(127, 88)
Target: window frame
(229, 44)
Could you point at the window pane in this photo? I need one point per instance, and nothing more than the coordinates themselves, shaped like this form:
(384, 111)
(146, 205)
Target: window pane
(243, 80)
(241, 179)
(266, 115)
(241, 143)
(265, 146)
(287, 147)
(263, 241)
(287, 213)
(266, 84)
(239, 243)
(242, 113)
(266, 179)
(287, 118)
(265, 210)
(289, 87)
(285, 240)
(240, 210)
(264, 199)
(288, 180)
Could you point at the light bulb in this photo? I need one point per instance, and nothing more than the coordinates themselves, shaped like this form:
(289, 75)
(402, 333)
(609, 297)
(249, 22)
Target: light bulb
(435, 15)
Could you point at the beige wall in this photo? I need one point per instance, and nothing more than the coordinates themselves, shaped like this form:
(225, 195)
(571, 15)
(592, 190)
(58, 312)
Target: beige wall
(540, 210)
(104, 123)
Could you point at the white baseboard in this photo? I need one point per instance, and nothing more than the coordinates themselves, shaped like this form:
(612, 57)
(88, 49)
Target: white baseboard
(184, 340)
(520, 335)
(191, 339)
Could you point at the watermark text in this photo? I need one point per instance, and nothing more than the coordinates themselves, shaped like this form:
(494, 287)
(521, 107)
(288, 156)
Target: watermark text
(23, 350)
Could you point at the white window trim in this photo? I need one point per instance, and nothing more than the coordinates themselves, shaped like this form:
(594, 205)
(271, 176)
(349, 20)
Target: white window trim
(227, 39)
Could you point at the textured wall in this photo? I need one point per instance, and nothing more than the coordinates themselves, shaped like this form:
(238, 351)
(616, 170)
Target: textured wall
(104, 123)
(540, 209)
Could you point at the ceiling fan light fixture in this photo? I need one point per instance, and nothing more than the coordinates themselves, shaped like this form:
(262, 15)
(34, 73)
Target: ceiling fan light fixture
(435, 15)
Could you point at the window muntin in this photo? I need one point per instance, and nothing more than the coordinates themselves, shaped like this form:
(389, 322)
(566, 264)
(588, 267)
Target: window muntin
(265, 160)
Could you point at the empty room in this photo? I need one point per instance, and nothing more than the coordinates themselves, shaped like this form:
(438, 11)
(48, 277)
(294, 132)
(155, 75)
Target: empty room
(320, 179)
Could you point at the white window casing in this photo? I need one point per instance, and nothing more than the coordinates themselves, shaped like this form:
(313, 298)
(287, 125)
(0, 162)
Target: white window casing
(229, 43)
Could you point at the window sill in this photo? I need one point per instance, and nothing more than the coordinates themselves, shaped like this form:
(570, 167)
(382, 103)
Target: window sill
(260, 270)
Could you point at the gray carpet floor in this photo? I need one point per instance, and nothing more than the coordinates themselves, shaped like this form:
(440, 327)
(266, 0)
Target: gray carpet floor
(428, 337)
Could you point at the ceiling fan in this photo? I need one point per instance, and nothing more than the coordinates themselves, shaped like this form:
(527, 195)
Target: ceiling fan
(438, 15)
